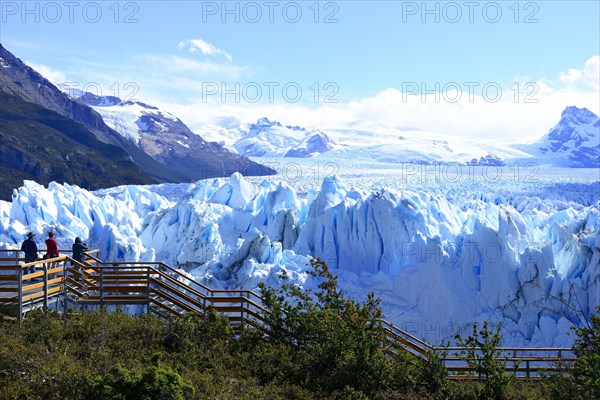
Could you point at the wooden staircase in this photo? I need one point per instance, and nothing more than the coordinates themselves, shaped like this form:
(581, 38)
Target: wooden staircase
(157, 288)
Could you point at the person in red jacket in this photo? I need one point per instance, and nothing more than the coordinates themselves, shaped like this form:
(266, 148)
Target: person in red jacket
(51, 246)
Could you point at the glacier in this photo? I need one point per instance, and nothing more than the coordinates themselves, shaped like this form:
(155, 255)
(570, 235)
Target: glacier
(440, 259)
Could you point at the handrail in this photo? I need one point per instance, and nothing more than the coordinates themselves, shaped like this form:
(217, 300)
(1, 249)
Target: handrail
(503, 349)
(414, 339)
(180, 291)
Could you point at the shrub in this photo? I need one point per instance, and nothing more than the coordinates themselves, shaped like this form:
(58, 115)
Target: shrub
(433, 375)
(192, 330)
(586, 368)
(155, 383)
(483, 356)
(327, 340)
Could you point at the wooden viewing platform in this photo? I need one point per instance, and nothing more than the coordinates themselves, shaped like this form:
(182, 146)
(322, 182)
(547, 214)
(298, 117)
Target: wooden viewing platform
(154, 287)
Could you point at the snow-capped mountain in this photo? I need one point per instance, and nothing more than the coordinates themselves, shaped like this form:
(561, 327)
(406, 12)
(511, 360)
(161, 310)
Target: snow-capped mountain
(271, 139)
(136, 121)
(165, 138)
(573, 142)
(87, 151)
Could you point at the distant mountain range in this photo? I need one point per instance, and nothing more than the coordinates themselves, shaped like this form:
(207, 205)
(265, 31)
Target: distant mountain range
(46, 135)
(573, 142)
(382, 144)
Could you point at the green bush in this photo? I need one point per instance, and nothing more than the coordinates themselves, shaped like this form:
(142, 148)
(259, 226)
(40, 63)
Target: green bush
(192, 330)
(324, 339)
(586, 368)
(155, 383)
(483, 356)
(433, 374)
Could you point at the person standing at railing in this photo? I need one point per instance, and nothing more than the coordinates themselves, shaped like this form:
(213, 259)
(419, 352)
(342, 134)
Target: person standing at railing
(51, 246)
(51, 249)
(30, 249)
(78, 248)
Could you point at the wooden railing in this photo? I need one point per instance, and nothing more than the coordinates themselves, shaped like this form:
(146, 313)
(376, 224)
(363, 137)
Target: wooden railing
(21, 291)
(155, 287)
(521, 362)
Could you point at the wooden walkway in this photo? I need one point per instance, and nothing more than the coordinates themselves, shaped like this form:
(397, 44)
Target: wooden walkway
(157, 288)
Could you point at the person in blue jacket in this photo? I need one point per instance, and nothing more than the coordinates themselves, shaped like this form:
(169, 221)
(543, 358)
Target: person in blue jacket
(31, 251)
(78, 248)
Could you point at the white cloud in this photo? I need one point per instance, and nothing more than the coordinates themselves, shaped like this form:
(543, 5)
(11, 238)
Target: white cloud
(587, 77)
(176, 83)
(520, 116)
(194, 45)
(52, 75)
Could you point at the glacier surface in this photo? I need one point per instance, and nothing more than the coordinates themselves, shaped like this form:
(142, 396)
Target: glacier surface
(440, 259)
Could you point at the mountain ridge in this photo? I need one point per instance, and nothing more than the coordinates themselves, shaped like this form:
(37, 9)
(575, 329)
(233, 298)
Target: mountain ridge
(36, 147)
(166, 138)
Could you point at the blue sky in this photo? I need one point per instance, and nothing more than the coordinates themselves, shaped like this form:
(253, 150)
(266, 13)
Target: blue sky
(173, 50)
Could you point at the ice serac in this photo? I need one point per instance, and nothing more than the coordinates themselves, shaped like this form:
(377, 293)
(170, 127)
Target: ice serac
(215, 218)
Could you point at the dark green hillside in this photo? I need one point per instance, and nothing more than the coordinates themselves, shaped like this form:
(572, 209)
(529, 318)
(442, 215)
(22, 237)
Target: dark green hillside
(40, 145)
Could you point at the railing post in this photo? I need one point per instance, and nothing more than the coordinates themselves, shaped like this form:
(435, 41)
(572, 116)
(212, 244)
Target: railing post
(66, 288)
(46, 285)
(147, 290)
(527, 368)
(20, 293)
(101, 287)
(242, 314)
(559, 362)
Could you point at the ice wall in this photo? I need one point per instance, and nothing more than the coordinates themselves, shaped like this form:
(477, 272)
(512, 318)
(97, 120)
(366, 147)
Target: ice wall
(439, 261)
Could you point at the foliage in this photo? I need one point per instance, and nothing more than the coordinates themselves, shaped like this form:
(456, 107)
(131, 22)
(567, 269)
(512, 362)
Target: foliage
(483, 356)
(433, 375)
(325, 339)
(155, 383)
(190, 330)
(586, 368)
